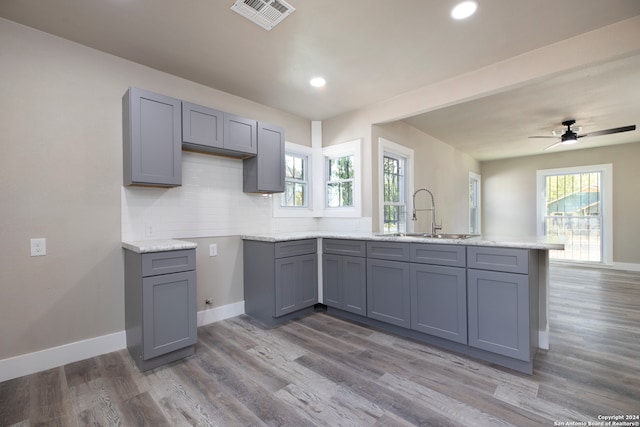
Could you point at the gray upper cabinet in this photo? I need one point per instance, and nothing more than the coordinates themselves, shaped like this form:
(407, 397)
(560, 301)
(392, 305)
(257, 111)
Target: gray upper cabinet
(202, 127)
(152, 146)
(265, 172)
(240, 134)
(211, 131)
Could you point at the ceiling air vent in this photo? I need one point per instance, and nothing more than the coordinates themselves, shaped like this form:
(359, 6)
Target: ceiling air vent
(266, 13)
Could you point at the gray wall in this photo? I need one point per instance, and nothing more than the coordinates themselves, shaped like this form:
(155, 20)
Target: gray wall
(509, 193)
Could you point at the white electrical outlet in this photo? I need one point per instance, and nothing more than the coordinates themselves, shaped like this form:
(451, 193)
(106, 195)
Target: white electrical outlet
(148, 230)
(38, 247)
(213, 249)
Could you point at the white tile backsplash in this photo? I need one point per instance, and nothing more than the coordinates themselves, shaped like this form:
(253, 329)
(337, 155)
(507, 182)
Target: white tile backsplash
(209, 203)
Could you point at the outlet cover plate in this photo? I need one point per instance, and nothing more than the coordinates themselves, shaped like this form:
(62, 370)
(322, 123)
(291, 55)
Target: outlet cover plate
(38, 247)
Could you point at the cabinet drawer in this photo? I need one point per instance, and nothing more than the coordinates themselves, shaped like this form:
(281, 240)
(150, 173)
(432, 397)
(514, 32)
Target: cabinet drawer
(156, 263)
(356, 248)
(498, 259)
(388, 250)
(449, 255)
(296, 247)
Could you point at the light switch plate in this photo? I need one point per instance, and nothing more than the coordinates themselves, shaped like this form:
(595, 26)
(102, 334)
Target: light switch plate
(38, 247)
(213, 249)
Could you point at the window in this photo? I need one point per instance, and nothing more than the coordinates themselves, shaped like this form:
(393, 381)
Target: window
(393, 179)
(341, 190)
(296, 182)
(474, 203)
(395, 185)
(340, 174)
(574, 204)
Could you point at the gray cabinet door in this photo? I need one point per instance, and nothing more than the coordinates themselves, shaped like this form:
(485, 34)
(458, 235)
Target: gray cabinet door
(202, 127)
(389, 292)
(152, 143)
(296, 283)
(265, 172)
(308, 281)
(439, 301)
(168, 313)
(332, 294)
(240, 134)
(499, 313)
(354, 284)
(286, 285)
(345, 283)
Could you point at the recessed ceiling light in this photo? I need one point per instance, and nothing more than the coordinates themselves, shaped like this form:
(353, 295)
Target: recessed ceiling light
(464, 9)
(317, 82)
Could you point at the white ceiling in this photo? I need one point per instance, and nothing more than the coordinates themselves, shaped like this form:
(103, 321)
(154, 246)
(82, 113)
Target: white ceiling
(368, 51)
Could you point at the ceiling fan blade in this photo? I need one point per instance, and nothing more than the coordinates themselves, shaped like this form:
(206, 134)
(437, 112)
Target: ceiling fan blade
(543, 136)
(553, 145)
(609, 131)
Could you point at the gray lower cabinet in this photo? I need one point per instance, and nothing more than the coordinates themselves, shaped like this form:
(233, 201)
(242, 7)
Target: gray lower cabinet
(279, 278)
(160, 306)
(264, 173)
(212, 131)
(502, 305)
(152, 143)
(439, 301)
(344, 275)
(389, 292)
(439, 290)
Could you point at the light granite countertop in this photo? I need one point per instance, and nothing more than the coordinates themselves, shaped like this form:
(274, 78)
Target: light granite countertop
(523, 242)
(146, 246)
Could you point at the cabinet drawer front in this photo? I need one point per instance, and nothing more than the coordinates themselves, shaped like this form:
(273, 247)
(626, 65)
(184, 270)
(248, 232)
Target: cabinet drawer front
(388, 250)
(498, 259)
(157, 263)
(449, 255)
(296, 247)
(356, 248)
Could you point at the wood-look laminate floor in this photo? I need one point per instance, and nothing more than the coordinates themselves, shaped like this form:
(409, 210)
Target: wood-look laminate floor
(324, 371)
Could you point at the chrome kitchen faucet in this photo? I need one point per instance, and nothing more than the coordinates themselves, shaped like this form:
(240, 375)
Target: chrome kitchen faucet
(434, 226)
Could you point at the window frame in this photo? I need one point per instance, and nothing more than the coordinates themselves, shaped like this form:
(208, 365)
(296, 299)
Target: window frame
(606, 204)
(350, 148)
(478, 213)
(304, 181)
(279, 211)
(391, 149)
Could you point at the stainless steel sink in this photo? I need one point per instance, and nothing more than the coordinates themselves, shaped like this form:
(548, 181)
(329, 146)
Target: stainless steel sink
(432, 236)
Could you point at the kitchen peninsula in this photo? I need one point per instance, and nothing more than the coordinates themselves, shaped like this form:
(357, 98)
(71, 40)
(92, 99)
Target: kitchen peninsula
(481, 296)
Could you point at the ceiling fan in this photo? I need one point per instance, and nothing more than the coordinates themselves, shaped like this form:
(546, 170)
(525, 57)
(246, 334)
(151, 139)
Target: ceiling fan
(571, 137)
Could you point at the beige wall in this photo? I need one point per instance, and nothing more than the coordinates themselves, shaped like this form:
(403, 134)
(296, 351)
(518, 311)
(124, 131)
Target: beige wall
(437, 166)
(509, 193)
(61, 177)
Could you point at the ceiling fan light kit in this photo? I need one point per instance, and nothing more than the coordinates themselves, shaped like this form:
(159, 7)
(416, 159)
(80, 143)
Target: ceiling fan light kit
(570, 137)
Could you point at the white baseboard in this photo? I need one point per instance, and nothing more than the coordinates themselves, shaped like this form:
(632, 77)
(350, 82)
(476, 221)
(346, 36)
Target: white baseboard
(627, 266)
(30, 363)
(543, 339)
(217, 314)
